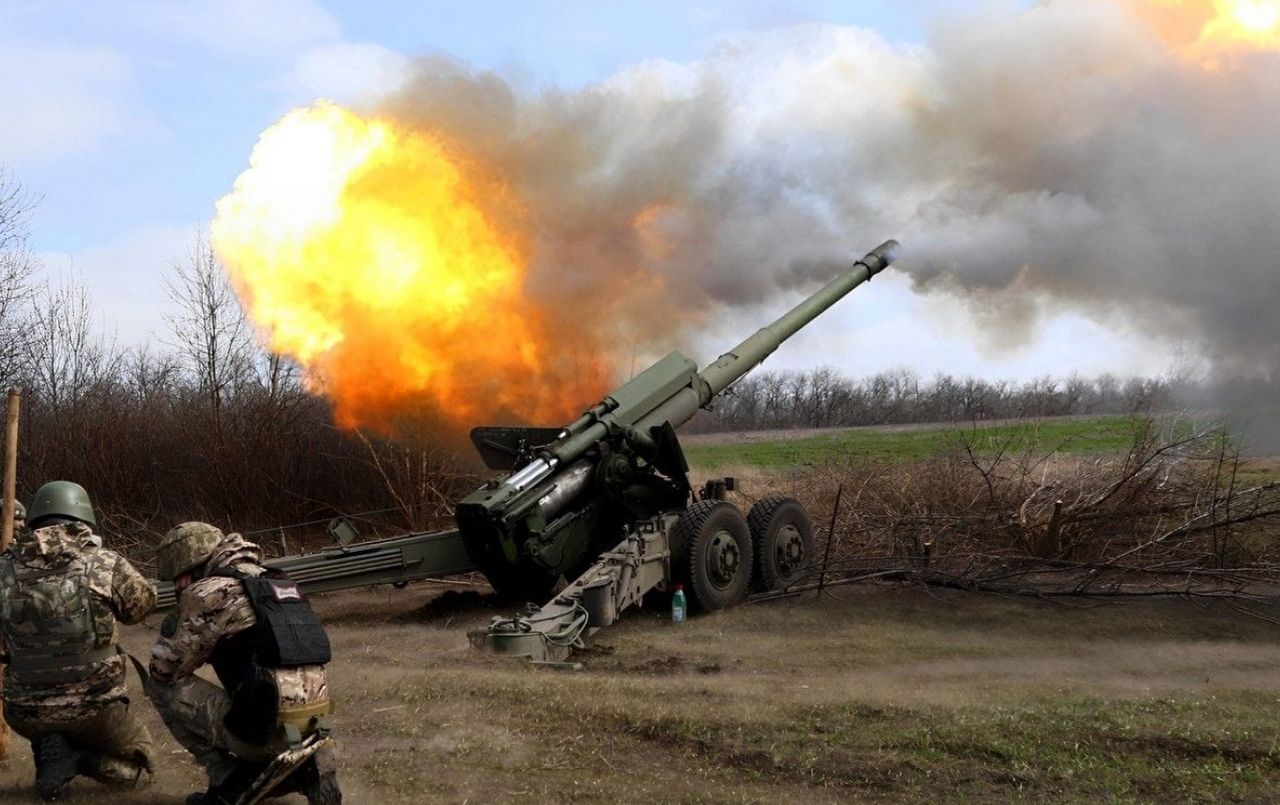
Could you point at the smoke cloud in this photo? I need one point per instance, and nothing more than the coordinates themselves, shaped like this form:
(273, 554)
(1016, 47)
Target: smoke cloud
(1079, 154)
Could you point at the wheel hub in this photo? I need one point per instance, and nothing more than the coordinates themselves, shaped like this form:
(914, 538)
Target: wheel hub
(723, 558)
(789, 549)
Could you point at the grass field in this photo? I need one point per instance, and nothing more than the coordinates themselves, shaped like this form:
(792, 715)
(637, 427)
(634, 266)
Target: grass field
(881, 694)
(1094, 435)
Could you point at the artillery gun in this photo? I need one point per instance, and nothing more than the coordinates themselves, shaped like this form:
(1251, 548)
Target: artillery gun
(606, 501)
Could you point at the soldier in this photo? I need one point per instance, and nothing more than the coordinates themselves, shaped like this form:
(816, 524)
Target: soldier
(268, 650)
(65, 691)
(19, 517)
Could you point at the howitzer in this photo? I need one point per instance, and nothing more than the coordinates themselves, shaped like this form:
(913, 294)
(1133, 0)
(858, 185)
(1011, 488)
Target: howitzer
(607, 500)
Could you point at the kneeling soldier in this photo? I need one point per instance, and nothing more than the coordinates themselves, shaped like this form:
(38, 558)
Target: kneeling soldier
(60, 599)
(268, 650)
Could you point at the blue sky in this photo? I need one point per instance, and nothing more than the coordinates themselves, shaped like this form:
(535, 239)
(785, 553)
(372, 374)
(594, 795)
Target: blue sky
(129, 119)
(145, 112)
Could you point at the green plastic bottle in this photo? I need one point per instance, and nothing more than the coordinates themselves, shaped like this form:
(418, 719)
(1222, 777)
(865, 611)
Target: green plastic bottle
(679, 607)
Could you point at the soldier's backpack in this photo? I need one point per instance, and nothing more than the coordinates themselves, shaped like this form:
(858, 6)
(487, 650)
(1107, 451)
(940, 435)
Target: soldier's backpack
(50, 633)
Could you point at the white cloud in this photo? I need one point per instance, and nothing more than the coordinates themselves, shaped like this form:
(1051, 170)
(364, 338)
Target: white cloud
(126, 277)
(349, 72)
(58, 100)
(238, 28)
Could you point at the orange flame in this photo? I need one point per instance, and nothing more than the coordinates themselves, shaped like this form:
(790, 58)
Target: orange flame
(1207, 31)
(392, 269)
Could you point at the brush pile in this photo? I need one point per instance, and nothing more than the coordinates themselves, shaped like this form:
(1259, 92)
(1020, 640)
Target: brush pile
(1176, 513)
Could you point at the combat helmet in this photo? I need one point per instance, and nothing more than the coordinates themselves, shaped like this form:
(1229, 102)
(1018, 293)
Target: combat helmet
(19, 511)
(61, 499)
(186, 547)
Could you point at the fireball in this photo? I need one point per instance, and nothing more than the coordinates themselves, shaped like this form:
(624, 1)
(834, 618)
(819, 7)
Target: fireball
(391, 267)
(1209, 31)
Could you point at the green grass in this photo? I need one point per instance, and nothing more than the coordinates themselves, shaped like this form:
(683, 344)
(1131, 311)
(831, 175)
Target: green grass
(1079, 436)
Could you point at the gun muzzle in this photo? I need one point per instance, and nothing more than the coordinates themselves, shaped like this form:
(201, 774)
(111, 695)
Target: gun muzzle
(879, 258)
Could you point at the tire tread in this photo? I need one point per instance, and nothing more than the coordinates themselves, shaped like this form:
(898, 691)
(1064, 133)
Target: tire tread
(759, 519)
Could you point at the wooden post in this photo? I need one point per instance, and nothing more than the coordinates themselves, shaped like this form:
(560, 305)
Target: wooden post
(10, 469)
(1053, 534)
(831, 532)
(6, 527)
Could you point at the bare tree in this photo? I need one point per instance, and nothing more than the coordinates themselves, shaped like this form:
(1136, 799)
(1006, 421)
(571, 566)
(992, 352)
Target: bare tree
(16, 267)
(212, 338)
(68, 356)
(71, 369)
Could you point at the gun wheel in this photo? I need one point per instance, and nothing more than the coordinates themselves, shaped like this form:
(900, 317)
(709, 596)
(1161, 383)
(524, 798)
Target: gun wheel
(782, 536)
(712, 542)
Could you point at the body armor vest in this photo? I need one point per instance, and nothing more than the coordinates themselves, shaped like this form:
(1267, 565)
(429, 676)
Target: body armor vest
(287, 634)
(50, 630)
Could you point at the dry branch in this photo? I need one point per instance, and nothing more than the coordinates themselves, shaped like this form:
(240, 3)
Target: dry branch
(1169, 516)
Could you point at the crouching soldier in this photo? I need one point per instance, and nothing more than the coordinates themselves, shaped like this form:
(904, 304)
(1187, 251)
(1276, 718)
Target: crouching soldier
(268, 650)
(65, 691)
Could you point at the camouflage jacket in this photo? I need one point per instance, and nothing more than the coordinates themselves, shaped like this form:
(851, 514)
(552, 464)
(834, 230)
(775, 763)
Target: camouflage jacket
(216, 607)
(117, 594)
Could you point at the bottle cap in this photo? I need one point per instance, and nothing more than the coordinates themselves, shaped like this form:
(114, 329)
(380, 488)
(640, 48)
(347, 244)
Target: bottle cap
(679, 586)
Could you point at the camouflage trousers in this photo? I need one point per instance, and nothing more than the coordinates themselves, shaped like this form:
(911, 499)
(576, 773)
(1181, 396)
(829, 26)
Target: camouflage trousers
(194, 709)
(117, 745)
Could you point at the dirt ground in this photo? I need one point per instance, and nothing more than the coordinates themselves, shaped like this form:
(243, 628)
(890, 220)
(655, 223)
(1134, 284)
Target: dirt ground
(871, 694)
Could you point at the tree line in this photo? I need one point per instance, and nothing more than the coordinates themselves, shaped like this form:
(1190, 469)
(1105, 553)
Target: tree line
(825, 398)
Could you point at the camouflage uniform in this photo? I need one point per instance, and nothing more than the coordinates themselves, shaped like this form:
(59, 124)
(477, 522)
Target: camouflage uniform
(93, 711)
(210, 610)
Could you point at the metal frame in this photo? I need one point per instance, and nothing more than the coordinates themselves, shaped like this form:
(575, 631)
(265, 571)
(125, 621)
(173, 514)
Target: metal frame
(395, 560)
(618, 579)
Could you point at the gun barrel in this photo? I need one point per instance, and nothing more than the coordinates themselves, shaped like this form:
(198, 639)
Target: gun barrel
(746, 355)
(735, 363)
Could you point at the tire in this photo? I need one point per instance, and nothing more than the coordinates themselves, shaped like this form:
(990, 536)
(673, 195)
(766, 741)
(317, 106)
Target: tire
(711, 547)
(782, 539)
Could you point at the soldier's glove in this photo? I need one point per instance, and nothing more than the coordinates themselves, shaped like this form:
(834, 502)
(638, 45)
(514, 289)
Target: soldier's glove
(169, 626)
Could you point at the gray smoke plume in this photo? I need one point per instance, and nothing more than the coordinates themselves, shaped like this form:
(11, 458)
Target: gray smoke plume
(1062, 154)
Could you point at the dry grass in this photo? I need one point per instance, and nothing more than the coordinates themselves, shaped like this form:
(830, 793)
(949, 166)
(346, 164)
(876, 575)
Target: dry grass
(886, 694)
(1176, 510)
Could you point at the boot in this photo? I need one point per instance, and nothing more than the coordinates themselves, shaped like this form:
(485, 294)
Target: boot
(115, 771)
(319, 787)
(230, 789)
(57, 764)
(324, 790)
